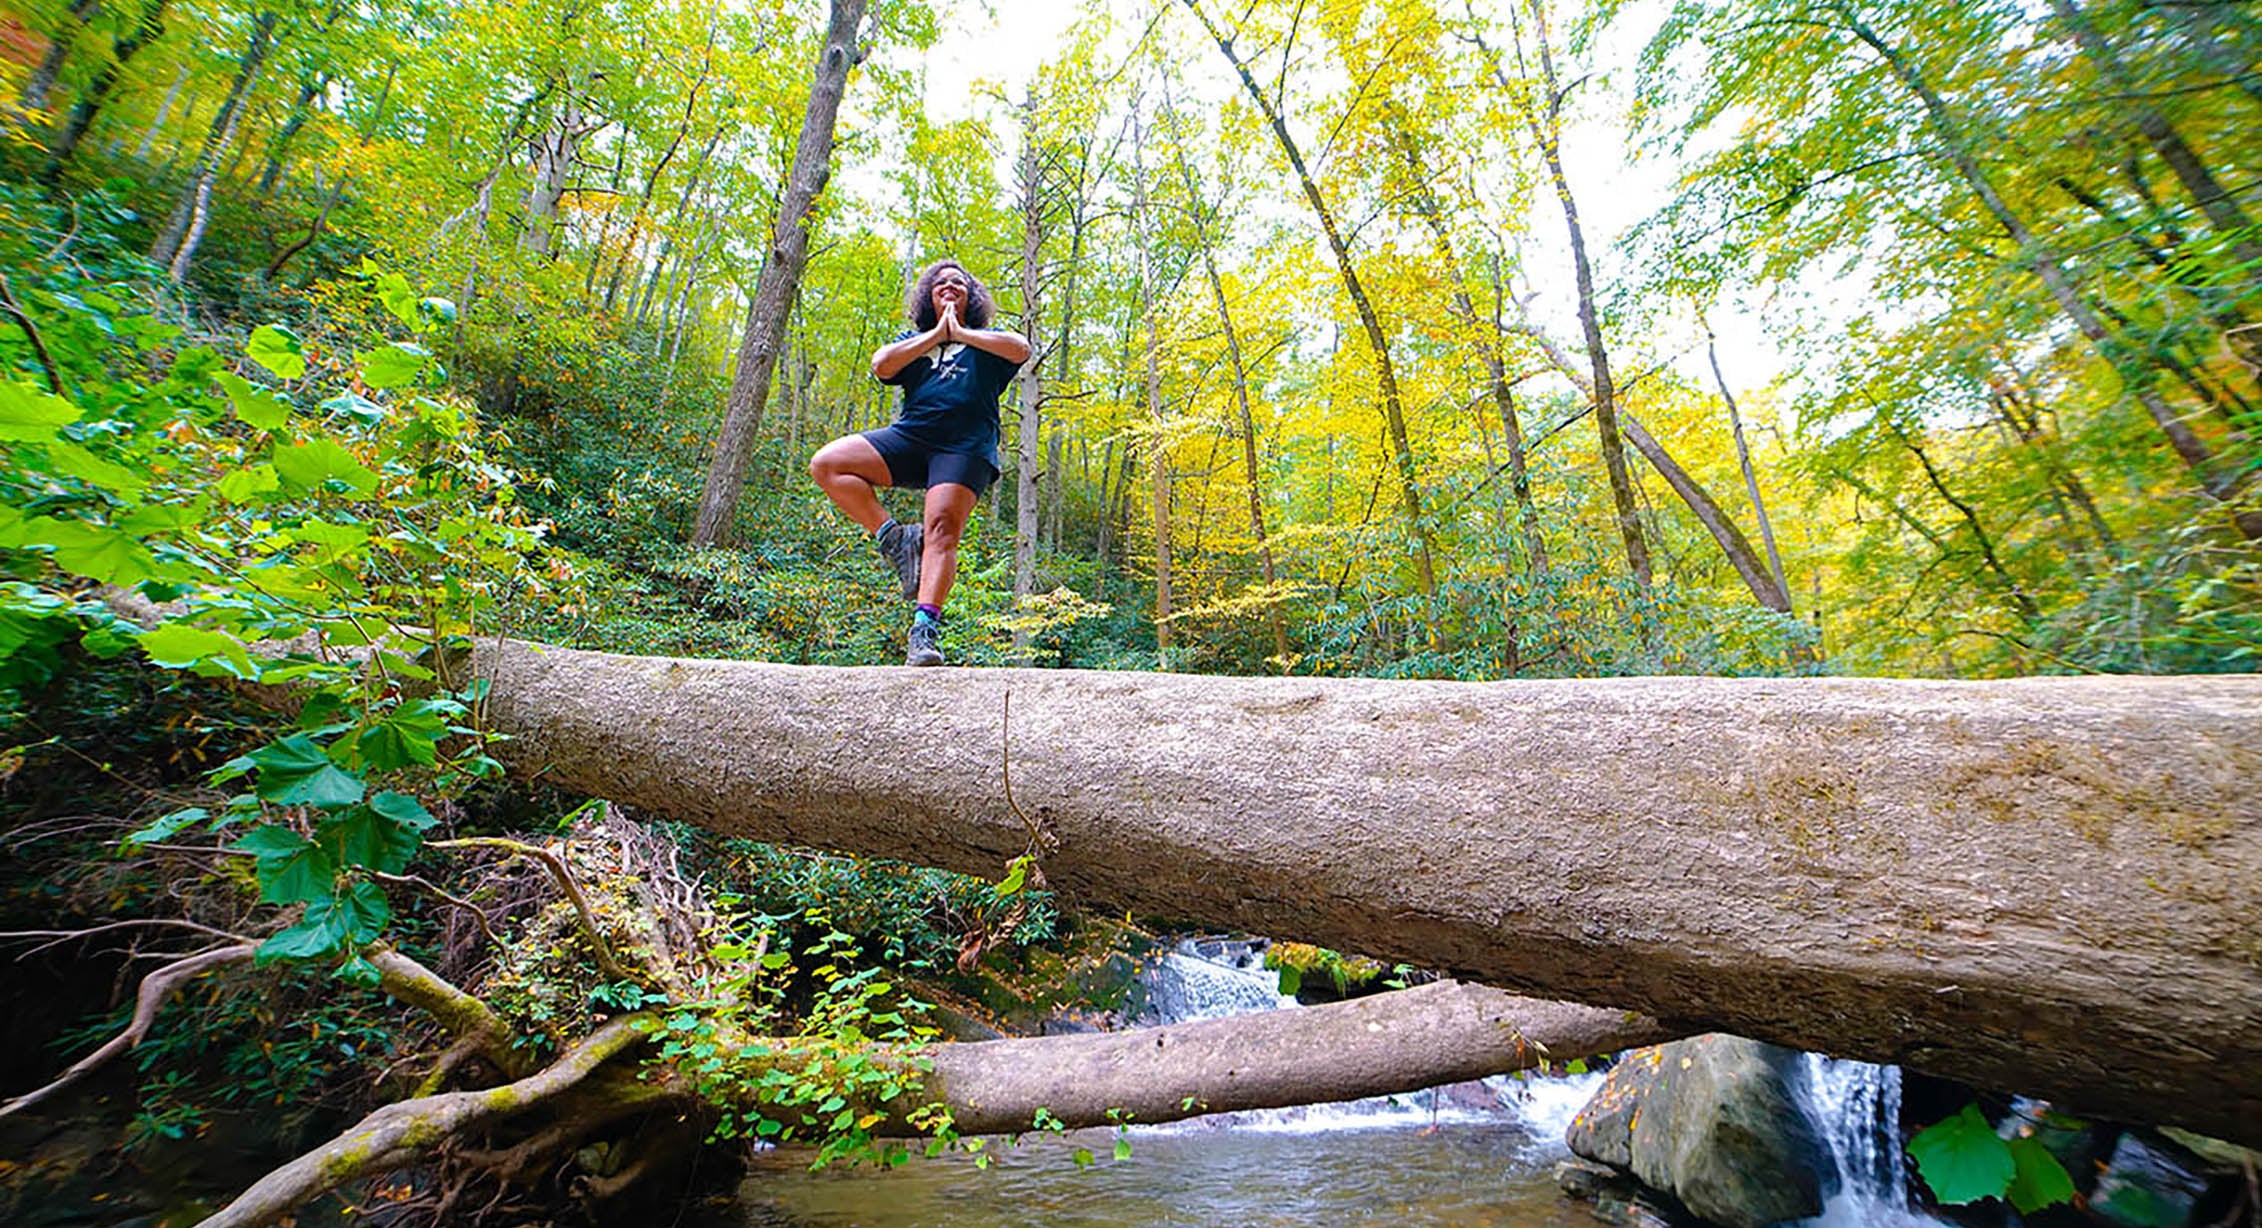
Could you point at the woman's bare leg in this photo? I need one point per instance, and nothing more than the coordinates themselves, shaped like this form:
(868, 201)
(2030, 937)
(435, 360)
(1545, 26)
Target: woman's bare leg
(846, 470)
(948, 506)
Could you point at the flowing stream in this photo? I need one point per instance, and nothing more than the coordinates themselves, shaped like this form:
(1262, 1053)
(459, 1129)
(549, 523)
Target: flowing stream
(1478, 1154)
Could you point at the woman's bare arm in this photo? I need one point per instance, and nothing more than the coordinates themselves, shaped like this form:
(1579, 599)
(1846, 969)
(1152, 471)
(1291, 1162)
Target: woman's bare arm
(1010, 346)
(893, 357)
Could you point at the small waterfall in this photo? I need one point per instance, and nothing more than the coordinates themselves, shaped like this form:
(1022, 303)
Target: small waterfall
(1210, 978)
(1856, 1111)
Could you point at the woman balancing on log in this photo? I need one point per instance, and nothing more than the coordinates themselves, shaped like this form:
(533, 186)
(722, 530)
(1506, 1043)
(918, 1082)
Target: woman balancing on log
(952, 368)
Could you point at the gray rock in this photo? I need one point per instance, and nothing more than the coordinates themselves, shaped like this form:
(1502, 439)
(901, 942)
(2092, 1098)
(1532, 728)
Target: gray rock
(2149, 1183)
(1711, 1121)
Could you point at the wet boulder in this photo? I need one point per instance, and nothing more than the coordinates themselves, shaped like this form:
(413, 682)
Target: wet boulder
(2151, 1182)
(1712, 1121)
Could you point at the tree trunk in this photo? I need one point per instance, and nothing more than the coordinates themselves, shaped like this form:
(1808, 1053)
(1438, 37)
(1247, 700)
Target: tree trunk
(1158, 452)
(1025, 505)
(279, 149)
(555, 152)
(42, 79)
(1386, 374)
(1751, 476)
(2221, 208)
(780, 280)
(147, 29)
(2046, 885)
(176, 244)
(1250, 471)
(164, 109)
(1731, 540)
(1548, 136)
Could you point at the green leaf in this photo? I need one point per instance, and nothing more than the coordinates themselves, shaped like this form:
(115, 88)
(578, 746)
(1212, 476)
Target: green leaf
(1122, 1149)
(179, 646)
(2040, 1180)
(355, 406)
(255, 405)
(405, 810)
(305, 940)
(359, 971)
(296, 772)
(98, 552)
(279, 350)
(72, 460)
(1083, 1157)
(411, 735)
(306, 466)
(358, 913)
(394, 366)
(169, 826)
(291, 868)
(363, 837)
(1962, 1158)
(1291, 980)
(246, 485)
(27, 416)
(393, 291)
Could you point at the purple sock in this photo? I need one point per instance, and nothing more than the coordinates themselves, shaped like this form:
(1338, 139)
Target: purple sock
(932, 611)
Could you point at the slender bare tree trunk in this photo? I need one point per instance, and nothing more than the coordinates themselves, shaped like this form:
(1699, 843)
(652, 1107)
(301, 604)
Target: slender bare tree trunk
(1251, 472)
(1386, 374)
(42, 79)
(1545, 121)
(176, 244)
(780, 281)
(556, 151)
(164, 109)
(1751, 476)
(1159, 451)
(1025, 510)
(148, 27)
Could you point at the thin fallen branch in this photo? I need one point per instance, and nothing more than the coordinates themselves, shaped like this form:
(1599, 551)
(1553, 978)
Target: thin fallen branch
(434, 889)
(155, 989)
(564, 877)
(398, 1134)
(39, 347)
(58, 937)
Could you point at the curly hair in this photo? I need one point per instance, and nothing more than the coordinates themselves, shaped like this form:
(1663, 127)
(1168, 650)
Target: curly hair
(919, 304)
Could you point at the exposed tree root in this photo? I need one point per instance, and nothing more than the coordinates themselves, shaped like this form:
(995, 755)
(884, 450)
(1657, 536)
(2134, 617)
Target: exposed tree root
(398, 1134)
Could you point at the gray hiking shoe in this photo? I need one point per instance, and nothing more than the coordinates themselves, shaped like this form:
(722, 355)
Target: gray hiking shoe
(920, 647)
(901, 544)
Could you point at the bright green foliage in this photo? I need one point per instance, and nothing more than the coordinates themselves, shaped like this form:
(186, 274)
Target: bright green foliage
(379, 527)
(1964, 1160)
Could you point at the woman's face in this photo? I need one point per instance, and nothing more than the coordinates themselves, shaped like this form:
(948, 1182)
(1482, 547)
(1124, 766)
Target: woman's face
(950, 291)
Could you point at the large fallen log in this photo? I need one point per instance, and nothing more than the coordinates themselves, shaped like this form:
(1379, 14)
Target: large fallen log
(2051, 885)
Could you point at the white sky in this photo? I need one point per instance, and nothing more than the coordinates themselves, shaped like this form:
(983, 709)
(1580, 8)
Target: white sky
(1003, 42)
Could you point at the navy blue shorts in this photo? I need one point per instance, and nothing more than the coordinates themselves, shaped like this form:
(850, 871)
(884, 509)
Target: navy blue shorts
(917, 465)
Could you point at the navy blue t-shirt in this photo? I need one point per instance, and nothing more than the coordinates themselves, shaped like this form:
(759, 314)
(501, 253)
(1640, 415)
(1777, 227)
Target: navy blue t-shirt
(950, 397)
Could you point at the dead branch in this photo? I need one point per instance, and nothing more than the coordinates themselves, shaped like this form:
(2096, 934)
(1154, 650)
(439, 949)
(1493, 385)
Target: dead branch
(31, 331)
(155, 989)
(564, 877)
(400, 1133)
